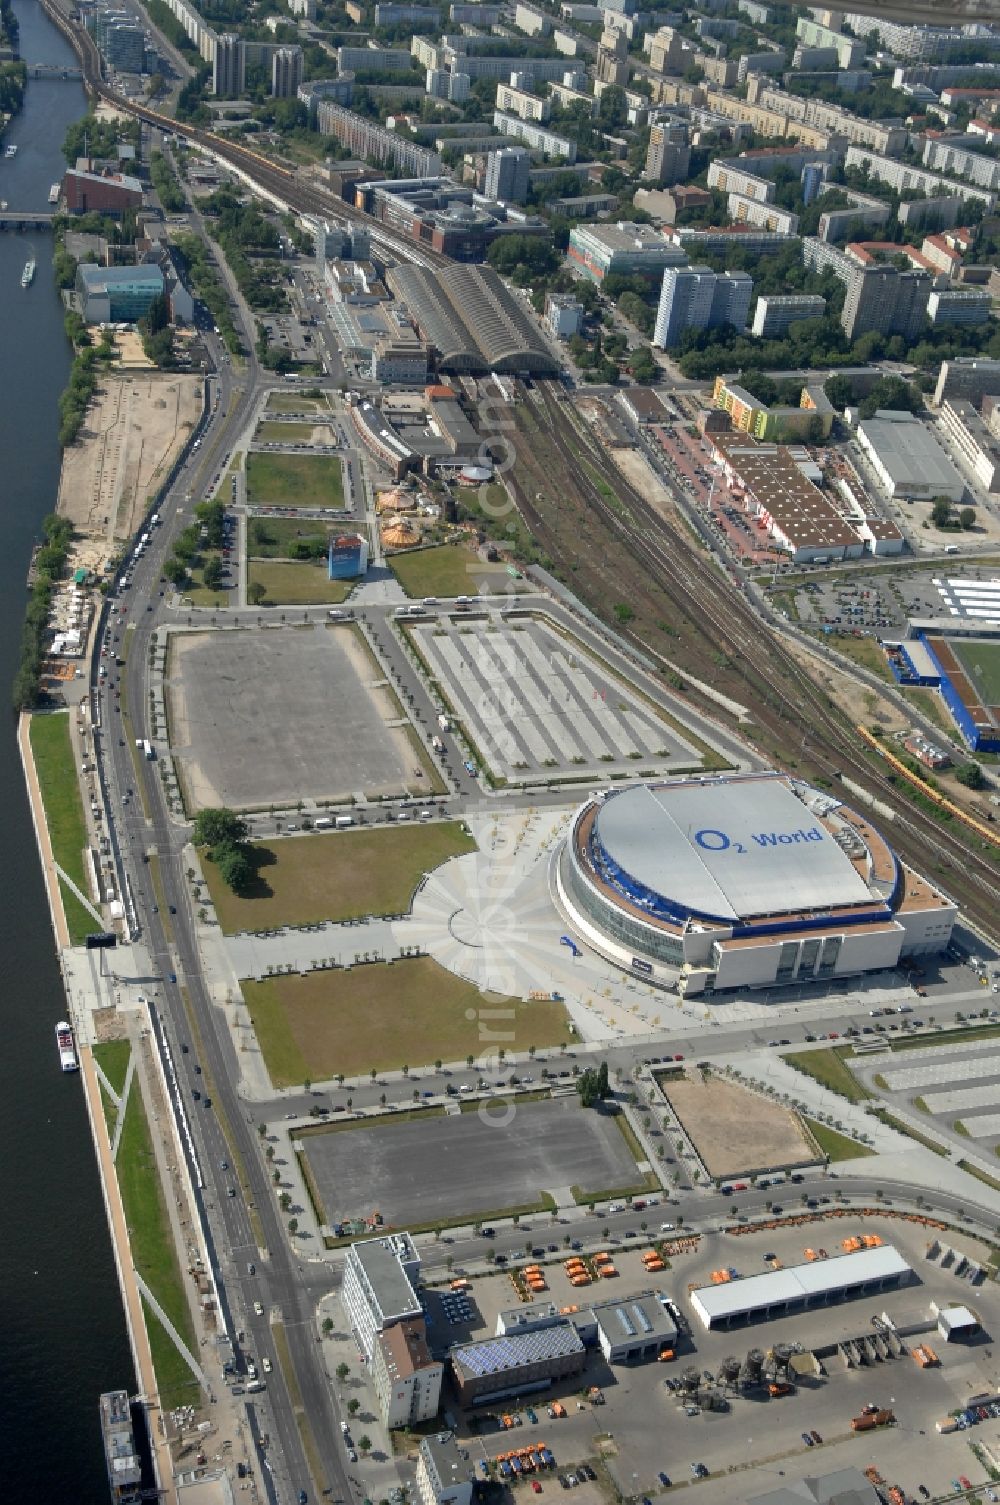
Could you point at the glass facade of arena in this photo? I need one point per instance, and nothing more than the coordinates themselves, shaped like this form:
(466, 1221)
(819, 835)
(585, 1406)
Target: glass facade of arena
(632, 933)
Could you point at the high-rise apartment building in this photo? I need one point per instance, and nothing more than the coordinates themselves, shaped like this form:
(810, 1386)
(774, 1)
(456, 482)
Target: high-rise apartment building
(685, 303)
(507, 177)
(286, 72)
(668, 157)
(883, 299)
(229, 67)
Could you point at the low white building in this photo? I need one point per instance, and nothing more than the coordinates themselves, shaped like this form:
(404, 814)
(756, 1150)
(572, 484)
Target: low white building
(563, 314)
(907, 459)
(407, 1379)
(798, 1288)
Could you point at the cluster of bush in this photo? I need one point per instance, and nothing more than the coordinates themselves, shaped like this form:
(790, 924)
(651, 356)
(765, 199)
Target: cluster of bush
(206, 532)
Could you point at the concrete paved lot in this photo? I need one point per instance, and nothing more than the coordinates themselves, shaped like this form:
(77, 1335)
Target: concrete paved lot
(537, 704)
(757, 1444)
(477, 1165)
(968, 1076)
(274, 715)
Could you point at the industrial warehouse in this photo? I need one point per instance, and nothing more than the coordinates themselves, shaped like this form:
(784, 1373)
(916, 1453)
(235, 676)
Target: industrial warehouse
(690, 882)
(780, 1293)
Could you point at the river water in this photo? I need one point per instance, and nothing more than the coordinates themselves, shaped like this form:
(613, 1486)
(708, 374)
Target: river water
(62, 1330)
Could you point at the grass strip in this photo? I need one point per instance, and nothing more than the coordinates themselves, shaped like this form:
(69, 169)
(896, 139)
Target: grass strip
(833, 1145)
(827, 1067)
(174, 1380)
(110, 1112)
(52, 751)
(113, 1057)
(295, 1396)
(948, 1037)
(892, 1122)
(973, 1170)
(151, 1241)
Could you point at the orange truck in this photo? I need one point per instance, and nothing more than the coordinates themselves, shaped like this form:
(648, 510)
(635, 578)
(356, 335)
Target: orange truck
(870, 1419)
(779, 1387)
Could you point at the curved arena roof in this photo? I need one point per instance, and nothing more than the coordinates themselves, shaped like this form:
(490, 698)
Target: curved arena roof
(471, 319)
(727, 850)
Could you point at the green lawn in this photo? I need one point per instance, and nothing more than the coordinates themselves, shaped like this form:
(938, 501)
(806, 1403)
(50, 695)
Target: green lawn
(981, 662)
(383, 1017)
(290, 583)
(153, 1251)
(113, 1057)
(273, 537)
(835, 1146)
(445, 570)
(827, 1067)
(295, 481)
(338, 877)
(863, 651)
(277, 431)
(287, 402)
(197, 592)
(57, 778)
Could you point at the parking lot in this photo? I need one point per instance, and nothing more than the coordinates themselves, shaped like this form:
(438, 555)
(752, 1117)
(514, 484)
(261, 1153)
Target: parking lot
(483, 1162)
(254, 717)
(646, 1429)
(956, 1087)
(536, 704)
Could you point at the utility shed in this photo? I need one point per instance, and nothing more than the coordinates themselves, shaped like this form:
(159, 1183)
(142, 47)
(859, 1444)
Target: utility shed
(956, 1324)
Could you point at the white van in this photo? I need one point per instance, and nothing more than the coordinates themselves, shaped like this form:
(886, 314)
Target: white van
(323, 823)
(343, 821)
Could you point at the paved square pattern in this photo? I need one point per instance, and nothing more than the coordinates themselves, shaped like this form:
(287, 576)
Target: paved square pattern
(482, 1162)
(536, 704)
(270, 715)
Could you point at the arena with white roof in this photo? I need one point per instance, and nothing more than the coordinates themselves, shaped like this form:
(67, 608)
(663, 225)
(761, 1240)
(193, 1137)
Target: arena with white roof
(741, 881)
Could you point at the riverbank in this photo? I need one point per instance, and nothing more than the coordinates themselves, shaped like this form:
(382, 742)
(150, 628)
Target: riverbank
(131, 1298)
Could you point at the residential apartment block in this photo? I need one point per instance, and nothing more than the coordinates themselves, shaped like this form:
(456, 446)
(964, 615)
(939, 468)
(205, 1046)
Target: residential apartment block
(774, 314)
(522, 104)
(535, 136)
(900, 176)
(698, 298)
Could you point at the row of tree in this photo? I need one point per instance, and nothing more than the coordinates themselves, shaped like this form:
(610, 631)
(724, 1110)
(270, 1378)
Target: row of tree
(168, 190)
(50, 565)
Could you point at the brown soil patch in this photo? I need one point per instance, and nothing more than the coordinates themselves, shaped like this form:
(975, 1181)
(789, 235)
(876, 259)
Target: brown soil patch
(736, 1132)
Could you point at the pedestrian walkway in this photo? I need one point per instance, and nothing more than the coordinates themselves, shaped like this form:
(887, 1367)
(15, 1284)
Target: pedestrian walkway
(172, 1333)
(80, 895)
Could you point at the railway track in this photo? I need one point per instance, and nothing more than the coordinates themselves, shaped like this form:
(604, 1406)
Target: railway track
(272, 177)
(783, 695)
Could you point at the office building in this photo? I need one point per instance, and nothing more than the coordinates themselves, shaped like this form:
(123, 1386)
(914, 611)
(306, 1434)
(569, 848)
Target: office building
(634, 1329)
(563, 314)
(444, 1476)
(959, 307)
(378, 1291)
(507, 180)
(286, 72)
(668, 157)
(100, 193)
(907, 458)
(229, 67)
(775, 314)
(884, 299)
(121, 41)
(686, 297)
(626, 248)
(113, 295)
(406, 1378)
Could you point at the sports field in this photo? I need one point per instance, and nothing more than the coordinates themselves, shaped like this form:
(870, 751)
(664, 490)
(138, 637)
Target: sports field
(295, 481)
(339, 876)
(383, 1017)
(981, 662)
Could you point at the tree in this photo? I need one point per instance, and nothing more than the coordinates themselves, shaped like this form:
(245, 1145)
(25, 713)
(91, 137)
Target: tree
(967, 518)
(940, 512)
(353, 1407)
(176, 571)
(642, 365)
(236, 868)
(365, 1444)
(342, 1372)
(971, 775)
(256, 592)
(327, 1326)
(623, 612)
(293, 1226)
(212, 573)
(157, 315)
(218, 826)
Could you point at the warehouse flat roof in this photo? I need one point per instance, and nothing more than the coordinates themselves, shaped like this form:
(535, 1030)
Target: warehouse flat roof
(806, 516)
(797, 1283)
(729, 848)
(908, 450)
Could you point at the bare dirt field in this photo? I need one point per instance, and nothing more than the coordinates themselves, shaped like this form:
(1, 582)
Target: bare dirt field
(133, 430)
(736, 1132)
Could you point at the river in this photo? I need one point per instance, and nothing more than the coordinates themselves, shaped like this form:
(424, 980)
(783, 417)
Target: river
(62, 1329)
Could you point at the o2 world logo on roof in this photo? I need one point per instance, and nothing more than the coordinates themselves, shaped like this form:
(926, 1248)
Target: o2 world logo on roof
(712, 840)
